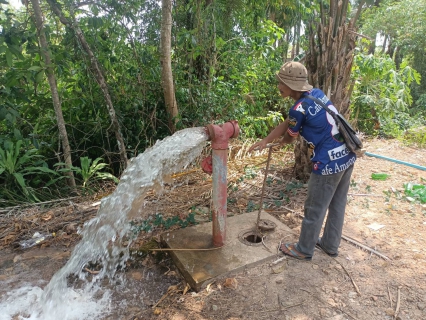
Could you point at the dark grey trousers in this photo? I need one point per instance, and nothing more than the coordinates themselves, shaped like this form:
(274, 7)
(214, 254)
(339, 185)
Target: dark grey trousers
(324, 192)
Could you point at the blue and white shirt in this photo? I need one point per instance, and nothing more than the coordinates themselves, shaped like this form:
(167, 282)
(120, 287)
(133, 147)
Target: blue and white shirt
(329, 153)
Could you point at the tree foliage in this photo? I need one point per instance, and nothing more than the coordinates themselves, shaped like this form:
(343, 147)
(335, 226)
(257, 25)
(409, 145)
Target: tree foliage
(401, 28)
(224, 55)
(382, 96)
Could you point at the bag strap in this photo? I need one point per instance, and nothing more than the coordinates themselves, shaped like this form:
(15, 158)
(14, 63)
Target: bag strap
(338, 118)
(332, 113)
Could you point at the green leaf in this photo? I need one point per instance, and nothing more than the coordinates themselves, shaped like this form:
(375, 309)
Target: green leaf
(379, 176)
(30, 170)
(34, 68)
(21, 181)
(53, 181)
(17, 134)
(9, 59)
(39, 77)
(106, 175)
(16, 50)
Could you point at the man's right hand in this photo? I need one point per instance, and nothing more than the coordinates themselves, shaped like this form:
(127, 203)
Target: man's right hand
(278, 132)
(258, 146)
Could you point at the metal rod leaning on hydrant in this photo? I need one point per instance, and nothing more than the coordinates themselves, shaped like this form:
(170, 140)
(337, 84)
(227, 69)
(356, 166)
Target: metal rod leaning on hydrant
(269, 145)
(220, 135)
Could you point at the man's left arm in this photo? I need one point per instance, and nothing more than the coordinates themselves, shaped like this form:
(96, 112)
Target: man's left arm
(287, 139)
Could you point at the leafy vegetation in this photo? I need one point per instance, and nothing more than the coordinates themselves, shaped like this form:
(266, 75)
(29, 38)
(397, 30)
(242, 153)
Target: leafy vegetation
(90, 172)
(382, 96)
(400, 29)
(415, 191)
(224, 56)
(157, 221)
(23, 171)
(400, 25)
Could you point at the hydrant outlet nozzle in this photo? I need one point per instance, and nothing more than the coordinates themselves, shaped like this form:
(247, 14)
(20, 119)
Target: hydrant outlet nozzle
(220, 134)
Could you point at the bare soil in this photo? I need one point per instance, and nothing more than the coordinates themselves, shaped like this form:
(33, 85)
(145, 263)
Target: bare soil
(384, 277)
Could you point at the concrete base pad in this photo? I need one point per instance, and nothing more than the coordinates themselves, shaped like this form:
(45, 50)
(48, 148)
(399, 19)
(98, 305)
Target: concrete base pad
(201, 267)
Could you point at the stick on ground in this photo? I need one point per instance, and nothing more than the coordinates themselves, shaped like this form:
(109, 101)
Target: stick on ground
(365, 247)
(398, 303)
(353, 282)
(390, 297)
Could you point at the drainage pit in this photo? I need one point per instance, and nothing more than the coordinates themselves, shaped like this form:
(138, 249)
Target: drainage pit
(250, 238)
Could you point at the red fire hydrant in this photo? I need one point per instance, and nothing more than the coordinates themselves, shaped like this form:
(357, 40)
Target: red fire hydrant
(216, 165)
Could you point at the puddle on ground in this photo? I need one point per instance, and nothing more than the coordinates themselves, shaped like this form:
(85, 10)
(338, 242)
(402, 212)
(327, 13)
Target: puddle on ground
(24, 275)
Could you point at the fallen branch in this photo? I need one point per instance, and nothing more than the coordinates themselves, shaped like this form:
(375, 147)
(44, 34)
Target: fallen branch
(7, 231)
(398, 303)
(279, 260)
(280, 309)
(34, 204)
(265, 244)
(365, 247)
(353, 282)
(280, 211)
(91, 271)
(364, 195)
(170, 290)
(390, 297)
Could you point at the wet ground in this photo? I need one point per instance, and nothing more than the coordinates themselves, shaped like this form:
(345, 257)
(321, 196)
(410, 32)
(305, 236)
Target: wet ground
(358, 284)
(132, 291)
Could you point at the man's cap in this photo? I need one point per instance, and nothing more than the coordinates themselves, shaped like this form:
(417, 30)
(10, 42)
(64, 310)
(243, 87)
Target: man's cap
(294, 75)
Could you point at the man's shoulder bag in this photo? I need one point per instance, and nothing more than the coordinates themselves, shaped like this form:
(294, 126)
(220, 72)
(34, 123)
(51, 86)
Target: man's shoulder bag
(353, 143)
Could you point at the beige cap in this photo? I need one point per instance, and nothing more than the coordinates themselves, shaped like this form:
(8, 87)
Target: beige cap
(294, 75)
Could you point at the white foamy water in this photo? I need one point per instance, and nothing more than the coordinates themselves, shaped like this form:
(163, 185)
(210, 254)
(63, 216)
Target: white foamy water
(103, 237)
(26, 303)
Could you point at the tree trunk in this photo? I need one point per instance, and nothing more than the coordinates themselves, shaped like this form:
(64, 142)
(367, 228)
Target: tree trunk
(166, 64)
(303, 164)
(63, 135)
(297, 37)
(329, 61)
(286, 45)
(384, 43)
(100, 79)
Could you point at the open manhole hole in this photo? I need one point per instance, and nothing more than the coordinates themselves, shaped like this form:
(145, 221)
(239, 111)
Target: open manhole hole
(253, 238)
(250, 238)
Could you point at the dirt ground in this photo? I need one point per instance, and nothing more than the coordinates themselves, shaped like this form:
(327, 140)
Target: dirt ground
(383, 276)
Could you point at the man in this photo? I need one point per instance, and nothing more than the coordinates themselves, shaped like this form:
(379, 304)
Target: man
(332, 162)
